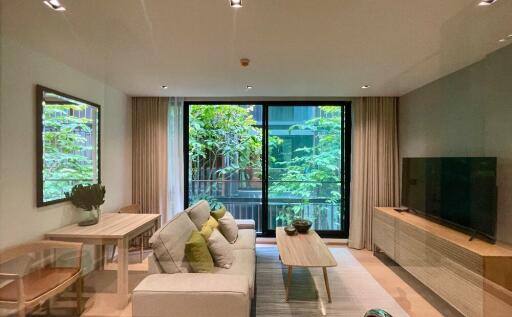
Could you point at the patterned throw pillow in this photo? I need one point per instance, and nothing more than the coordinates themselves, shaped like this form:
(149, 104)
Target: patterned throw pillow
(228, 227)
(220, 249)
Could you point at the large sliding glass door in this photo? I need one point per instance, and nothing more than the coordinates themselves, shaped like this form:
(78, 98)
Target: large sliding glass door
(271, 162)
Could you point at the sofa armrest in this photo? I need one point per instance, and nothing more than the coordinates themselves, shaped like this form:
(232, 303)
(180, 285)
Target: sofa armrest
(192, 294)
(246, 224)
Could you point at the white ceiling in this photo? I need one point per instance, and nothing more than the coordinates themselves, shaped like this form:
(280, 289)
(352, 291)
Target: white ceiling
(296, 47)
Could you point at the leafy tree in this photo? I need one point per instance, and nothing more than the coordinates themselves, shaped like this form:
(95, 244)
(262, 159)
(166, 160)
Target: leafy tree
(313, 172)
(66, 155)
(223, 140)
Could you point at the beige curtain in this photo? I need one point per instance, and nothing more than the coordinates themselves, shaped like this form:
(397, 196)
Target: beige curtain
(375, 175)
(149, 167)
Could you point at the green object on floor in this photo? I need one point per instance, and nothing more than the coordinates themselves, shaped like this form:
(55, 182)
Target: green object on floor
(377, 313)
(197, 254)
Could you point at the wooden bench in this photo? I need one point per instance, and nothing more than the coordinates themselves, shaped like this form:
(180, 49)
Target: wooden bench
(23, 292)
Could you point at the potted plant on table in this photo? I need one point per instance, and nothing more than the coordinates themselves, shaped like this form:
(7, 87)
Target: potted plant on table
(89, 198)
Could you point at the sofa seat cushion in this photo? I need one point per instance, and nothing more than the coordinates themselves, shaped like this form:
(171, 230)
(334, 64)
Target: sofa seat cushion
(169, 241)
(191, 283)
(246, 240)
(243, 264)
(191, 294)
(37, 283)
(199, 213)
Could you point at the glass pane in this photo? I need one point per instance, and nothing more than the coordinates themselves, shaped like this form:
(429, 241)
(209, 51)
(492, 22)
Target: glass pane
(306, 166)
(225, 148)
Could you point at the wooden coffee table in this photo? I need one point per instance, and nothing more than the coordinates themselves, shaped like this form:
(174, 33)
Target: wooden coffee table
(304, 250)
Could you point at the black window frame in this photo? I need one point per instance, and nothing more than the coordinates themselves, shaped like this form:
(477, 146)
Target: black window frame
(347, 150)
(40, 90)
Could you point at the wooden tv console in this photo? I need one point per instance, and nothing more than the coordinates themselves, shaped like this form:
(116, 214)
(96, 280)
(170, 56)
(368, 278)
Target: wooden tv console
(475, 276)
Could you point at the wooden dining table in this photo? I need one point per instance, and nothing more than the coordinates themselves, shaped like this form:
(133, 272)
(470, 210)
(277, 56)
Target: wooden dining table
(113, 228)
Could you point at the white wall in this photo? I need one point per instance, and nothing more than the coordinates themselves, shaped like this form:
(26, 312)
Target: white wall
(21, 70)
(468, 113)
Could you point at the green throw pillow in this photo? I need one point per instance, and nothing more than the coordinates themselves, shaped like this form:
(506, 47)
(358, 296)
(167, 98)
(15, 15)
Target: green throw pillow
(197, 254)
(219, 213)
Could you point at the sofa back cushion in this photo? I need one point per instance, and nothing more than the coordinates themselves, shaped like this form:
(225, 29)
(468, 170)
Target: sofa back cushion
(169, 241)
(199, 213)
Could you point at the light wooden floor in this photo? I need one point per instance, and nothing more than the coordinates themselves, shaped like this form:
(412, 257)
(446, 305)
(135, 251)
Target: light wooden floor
(414, 298)
(354, 291)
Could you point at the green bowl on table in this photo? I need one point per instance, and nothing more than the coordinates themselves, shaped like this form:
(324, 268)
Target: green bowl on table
(302, 225)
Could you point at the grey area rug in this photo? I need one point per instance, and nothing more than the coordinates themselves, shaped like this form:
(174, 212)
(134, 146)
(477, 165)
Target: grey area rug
(354, 291)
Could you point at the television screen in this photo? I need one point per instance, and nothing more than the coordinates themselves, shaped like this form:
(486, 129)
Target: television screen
(460, 191)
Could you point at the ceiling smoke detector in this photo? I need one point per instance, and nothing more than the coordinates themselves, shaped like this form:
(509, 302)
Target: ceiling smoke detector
(244, 62)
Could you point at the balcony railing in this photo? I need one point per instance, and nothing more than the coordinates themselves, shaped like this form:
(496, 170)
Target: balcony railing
(246, 203)
(328, 220)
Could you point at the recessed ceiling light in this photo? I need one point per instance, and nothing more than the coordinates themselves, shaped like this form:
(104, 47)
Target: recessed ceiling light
(54, 5)
(235, 3)
(486, 2)
(365, 86)
(509, 36)
(502, 40)
(249, 87)
(164, 87)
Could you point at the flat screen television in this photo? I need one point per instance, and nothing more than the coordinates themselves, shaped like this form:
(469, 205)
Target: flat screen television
(457, 191)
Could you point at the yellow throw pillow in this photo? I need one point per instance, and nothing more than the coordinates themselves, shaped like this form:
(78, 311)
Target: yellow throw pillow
(219, 213)
(197, 254)
(206, 231)
(214, 224)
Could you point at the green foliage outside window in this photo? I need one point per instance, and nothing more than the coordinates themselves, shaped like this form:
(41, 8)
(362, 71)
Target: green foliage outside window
(67, 158)
(221, 134)
(314, 171)
(227, 133)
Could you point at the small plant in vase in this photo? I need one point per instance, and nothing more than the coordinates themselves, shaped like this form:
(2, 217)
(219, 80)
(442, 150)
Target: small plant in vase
(89, 198)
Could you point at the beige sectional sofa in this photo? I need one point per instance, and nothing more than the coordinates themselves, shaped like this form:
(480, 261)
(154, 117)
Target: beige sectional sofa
(173, 290)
